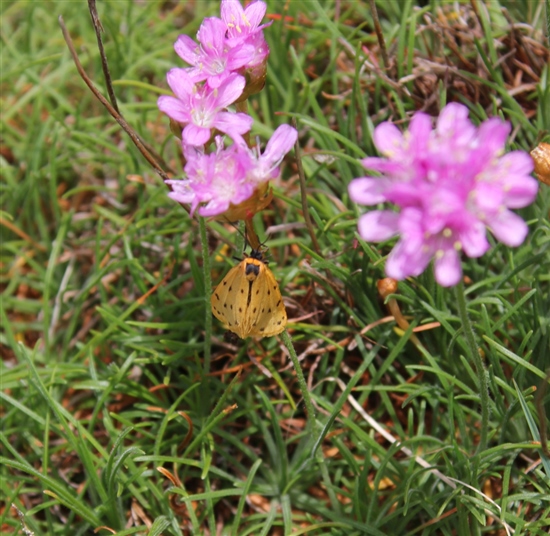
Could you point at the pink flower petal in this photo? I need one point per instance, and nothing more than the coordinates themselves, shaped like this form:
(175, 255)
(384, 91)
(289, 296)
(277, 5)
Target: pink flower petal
(180, 83)
(448, 270)
(255, 12)
(214, 207)
(282, 140)
(195, 135)
(520, 194)
(368, 190)
(211, 34)
(241, 23)
(240, 56)
(232, 12)
(451, 116)
(517, 163)
(388, 167)
(233, 124)
(401, 264)
(419, 133)
(230, 90)
(173, 108)
(181, 191)
(388, 139)
(474, 240)
(378, 225)
(187, 49)
(488, 197)
(509, 228)
(492, 135)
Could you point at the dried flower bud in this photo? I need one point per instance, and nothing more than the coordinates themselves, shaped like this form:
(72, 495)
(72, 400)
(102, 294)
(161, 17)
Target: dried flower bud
(386, 287)
(541, 156)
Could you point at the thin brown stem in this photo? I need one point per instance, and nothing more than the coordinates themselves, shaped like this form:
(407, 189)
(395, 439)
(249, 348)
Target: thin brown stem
(116, 115)
(98, 29)
(386, 287)
(379, 34)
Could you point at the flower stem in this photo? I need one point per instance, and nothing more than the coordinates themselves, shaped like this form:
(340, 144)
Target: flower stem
(301, 381)
(379, 34)
(478, 362)
(207, 278)
(305, 206)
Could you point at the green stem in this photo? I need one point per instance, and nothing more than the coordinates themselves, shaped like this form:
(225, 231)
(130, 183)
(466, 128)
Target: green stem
(478, 362)
(303, 189)
(207, 277)
(301, 381)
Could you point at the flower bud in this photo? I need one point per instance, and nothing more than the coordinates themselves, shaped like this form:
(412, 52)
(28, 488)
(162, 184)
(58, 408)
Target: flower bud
(541, 157)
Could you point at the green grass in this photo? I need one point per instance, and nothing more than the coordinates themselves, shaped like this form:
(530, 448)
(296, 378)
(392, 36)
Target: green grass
(104, 309)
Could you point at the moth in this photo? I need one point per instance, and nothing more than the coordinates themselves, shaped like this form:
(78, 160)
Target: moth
(248, 300)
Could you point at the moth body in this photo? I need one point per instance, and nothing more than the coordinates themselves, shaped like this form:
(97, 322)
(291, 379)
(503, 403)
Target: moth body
(248, 300)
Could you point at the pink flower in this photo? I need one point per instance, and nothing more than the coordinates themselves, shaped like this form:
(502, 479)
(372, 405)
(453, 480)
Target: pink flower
(229, 176)
(242, 23)
(260, 51)
(213, 60)
(243, 29)
(214, 180)
(201, 108)
(448, 184)
(266, 166)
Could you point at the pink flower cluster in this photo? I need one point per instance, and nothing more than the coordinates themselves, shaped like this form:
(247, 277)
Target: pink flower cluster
(231, 54)
(448, 184)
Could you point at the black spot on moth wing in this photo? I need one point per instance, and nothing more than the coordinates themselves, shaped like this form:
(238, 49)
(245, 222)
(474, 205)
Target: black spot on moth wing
(221, 297)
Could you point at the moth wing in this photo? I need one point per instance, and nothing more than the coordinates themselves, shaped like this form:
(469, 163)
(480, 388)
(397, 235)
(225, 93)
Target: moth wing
(240, 308)
(270, 318)
(218, 300)
(227, 296)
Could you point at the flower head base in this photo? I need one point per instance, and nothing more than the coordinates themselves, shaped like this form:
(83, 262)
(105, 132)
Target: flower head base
(449, 184)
